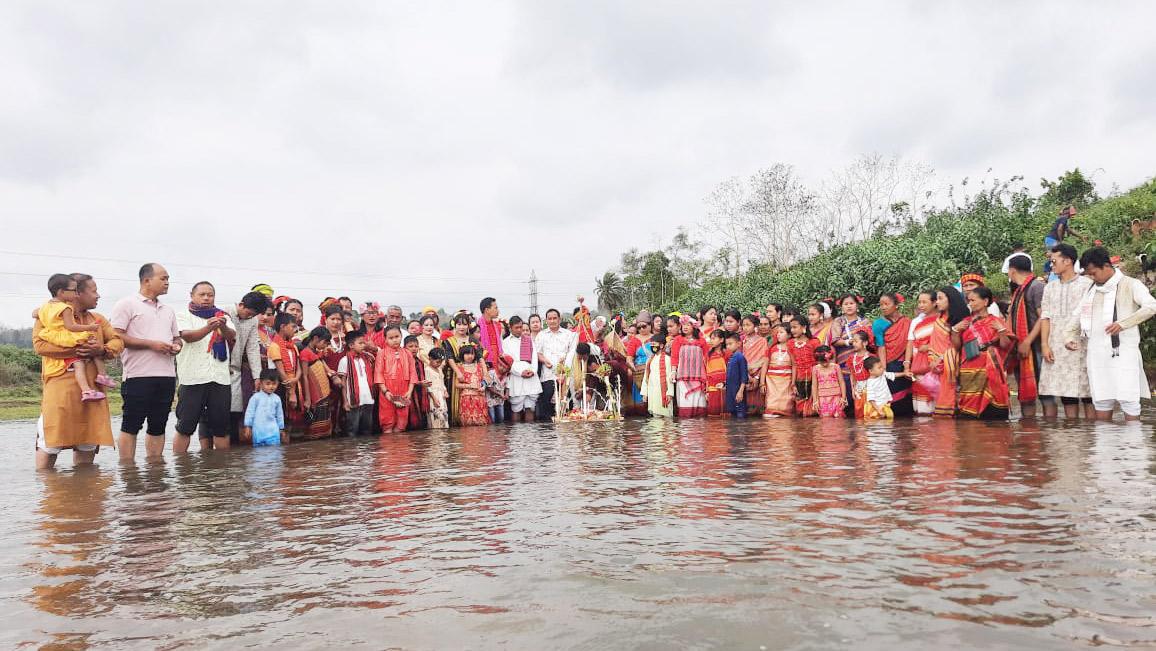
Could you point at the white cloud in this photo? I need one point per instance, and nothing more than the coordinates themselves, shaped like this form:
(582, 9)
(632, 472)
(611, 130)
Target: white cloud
(399, 143)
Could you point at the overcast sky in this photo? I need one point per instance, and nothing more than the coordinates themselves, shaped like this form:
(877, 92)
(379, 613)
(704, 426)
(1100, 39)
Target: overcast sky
(433, 153)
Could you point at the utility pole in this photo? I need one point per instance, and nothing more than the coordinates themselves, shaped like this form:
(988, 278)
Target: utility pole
(533, 292)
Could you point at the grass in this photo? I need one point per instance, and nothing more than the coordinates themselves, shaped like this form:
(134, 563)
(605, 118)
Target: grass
(23, 402)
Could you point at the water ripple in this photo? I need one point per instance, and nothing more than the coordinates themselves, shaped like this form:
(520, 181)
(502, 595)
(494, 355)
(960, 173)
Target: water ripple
(701, 534)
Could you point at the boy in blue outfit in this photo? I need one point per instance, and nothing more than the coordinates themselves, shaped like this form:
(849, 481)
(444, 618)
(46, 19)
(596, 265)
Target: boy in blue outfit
(264, 418)
(736, 399)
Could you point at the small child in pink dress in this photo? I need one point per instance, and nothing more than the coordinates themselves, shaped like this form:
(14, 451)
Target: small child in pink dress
(827, 390)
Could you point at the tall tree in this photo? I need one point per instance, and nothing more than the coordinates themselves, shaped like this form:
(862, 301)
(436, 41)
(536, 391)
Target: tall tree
(724, 225)
(611, 291)
(778, 223)
(1071, 189)
(871, 196)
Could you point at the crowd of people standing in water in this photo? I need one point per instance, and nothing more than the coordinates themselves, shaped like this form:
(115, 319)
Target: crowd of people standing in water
(256, 372)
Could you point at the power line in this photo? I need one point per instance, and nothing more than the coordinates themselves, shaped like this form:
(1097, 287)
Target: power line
(279, 287)
(272, 271)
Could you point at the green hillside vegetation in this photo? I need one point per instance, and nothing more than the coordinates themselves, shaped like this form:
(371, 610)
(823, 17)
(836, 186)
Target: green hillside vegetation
(20, 383)
(972, 237)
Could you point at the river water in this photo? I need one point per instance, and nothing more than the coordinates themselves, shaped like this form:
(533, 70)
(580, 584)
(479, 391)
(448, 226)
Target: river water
(642, 534)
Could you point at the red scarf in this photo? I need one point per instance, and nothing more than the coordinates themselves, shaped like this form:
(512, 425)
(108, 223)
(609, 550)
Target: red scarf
(217, 344)
(662, 378)
(526, 353)
(895, 339)
(858, 370)
(1028, 391)
(490, 333)
(288, 354)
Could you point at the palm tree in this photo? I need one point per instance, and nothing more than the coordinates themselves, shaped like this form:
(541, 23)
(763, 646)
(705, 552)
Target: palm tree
(611, 291)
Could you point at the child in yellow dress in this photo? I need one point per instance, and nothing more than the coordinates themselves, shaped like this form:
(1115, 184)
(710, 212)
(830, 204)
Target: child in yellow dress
(59, 327)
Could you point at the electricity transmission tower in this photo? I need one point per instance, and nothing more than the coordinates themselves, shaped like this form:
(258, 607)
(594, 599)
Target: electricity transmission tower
(533, 292)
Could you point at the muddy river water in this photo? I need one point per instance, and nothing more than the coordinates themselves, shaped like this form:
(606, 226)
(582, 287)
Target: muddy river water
(641, 534)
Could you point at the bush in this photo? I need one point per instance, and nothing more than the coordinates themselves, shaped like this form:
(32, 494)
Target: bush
(926, 256)
(24, 358)
(972, 238)
(14, 375)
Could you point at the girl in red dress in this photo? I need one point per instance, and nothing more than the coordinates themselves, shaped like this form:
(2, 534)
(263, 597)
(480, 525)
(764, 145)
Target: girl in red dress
(716, 373)
(802, 349)
(469, 383)
(857, 369)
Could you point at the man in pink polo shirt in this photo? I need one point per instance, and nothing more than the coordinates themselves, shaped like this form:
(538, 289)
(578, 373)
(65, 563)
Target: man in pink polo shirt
(151, 339)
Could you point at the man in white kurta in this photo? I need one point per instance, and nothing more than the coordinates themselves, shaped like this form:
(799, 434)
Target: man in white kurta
(522, 382)
(1064, 373)
(555, 346)
(1108, 317)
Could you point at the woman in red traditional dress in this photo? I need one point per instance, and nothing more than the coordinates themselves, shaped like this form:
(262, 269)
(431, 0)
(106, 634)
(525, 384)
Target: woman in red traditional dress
(689, 352)
(983, 389)
(317, 385)
(925, 388)
(891, 331)
(821, 324)
(755, 350)
(716, 373)
(708, 316)
(944, 348)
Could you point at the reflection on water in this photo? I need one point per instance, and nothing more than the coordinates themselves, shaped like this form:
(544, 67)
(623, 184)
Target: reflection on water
(644, 533)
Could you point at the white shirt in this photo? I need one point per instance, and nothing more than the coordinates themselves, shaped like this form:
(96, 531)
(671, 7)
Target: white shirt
(195, 362)
(1017, 254)
(556, 347)
(915, 321)
(360, 377)
(518, 385)
(877, 389)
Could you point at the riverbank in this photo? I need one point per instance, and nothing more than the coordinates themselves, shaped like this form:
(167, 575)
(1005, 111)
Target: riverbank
(23, 402)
